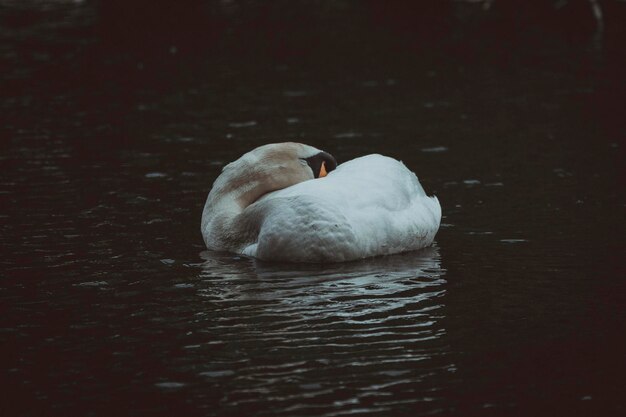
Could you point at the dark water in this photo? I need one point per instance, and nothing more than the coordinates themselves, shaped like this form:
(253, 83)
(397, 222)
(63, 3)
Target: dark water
(109, 304)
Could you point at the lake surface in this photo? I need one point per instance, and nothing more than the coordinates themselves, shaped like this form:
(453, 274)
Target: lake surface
(110, 304)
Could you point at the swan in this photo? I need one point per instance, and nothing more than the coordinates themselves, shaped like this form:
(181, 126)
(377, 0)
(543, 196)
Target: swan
(291, 202)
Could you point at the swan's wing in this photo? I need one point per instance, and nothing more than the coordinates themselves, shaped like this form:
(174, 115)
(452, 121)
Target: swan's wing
(368, 206)
(299, 228)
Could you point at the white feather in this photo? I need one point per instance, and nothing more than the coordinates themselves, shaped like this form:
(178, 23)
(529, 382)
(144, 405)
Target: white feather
(369, 206)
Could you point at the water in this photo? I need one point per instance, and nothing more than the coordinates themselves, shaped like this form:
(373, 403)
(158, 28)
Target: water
(110, 304)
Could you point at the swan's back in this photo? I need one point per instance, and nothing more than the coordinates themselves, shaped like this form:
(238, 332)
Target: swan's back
(369, 206)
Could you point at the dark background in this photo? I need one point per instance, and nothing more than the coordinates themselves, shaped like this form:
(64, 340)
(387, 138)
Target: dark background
(118, 115)
(143, 50)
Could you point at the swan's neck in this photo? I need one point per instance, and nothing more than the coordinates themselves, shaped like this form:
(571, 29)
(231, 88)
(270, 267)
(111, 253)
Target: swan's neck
(225, 221)
(239, 188)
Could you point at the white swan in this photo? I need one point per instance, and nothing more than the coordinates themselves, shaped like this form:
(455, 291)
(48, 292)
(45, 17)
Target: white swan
(268, 204)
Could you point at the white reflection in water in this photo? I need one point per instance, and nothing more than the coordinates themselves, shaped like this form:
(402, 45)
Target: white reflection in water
(382, 277)
(371, 328)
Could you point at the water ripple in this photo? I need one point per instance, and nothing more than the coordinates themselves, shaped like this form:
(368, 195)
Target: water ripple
(360, 336)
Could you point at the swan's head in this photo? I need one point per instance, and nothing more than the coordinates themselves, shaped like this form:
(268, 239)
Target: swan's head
(273, 167)
(297, 161)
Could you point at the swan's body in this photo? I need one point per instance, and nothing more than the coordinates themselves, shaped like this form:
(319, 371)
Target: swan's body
(369, 206)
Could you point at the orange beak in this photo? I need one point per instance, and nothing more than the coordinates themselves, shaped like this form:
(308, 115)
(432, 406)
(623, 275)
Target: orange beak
(323, 172)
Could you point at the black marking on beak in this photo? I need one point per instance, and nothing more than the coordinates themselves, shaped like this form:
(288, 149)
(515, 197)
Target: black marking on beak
(322, 159)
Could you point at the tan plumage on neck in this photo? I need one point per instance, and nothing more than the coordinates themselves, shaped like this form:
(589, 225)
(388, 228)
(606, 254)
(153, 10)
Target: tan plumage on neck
(228, 222)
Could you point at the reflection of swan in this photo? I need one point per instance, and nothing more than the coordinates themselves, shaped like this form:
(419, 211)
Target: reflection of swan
(226, 278)
(285, 335)
(263, 205)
